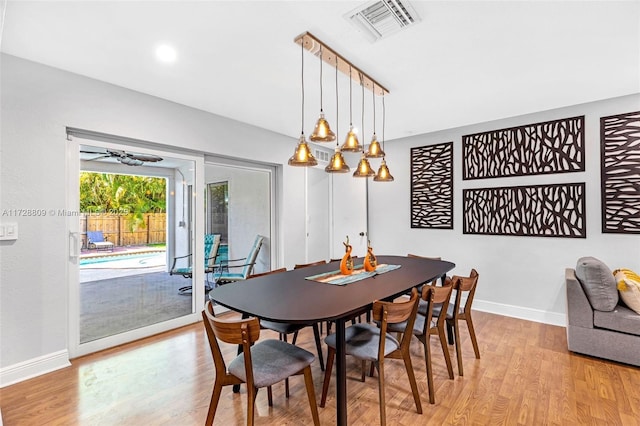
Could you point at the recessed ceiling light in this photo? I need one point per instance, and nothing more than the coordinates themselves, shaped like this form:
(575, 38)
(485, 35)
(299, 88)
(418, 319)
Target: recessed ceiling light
(166, 53)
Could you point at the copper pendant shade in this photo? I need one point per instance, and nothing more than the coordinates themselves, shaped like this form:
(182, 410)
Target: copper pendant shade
(337, 163)
(302, 157)
(351, 143)
(322, 132)
(374, 151)
(383, 174)
(364, 168)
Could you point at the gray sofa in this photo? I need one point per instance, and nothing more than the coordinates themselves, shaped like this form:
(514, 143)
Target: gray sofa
(598, 323)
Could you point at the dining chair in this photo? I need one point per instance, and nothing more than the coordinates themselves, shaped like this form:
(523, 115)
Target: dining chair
(427, 325)
(372, 344)
(455, 313)
(284, 329)
(259, 365)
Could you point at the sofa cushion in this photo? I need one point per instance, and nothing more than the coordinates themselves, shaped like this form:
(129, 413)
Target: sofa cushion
(620, 319)
(598, 283)
(629, 288)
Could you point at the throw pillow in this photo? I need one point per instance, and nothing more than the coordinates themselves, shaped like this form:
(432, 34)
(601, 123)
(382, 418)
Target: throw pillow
(598, 283)
(629, 288)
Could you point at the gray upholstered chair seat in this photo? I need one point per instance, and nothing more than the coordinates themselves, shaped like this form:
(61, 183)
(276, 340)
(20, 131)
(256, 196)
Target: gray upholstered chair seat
(362, 341)
(282, 327)
(273, 361)
(423, 305)
(438, 307)
(418, 326)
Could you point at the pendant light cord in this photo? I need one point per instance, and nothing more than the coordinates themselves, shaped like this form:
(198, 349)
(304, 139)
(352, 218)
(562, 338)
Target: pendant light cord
(383, 121)
(302, 80)
(350, 99)
(321, 78)
(337, 104)
(362, 129)
(373, 96)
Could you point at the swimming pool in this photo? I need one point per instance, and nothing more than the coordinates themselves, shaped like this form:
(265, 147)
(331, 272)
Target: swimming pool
(128, 260)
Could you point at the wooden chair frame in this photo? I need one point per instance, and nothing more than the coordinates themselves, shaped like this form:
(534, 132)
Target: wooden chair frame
(244, 333)
(463, 285)
(385, 313)
(435, 296)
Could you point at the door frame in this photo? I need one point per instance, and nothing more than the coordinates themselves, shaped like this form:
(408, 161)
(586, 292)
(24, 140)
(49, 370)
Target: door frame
(72, 230)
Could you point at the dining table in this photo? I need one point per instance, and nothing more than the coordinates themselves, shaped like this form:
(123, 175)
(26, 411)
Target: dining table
(295, 297)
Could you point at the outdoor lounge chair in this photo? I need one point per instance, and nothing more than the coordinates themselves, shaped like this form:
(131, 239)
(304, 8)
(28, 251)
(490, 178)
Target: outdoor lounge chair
(96, 240)
(224, 272)
(211, 245)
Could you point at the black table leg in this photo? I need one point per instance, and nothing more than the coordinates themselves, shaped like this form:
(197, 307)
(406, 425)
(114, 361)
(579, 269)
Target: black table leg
(341, 375)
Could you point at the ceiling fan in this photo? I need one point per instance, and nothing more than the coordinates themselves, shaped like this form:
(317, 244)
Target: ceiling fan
(128, 158)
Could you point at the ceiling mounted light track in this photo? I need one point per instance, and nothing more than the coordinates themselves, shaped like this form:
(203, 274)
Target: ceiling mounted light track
(330, 56)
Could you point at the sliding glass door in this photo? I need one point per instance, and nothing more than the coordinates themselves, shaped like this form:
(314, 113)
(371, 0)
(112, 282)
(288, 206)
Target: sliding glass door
(133, 248)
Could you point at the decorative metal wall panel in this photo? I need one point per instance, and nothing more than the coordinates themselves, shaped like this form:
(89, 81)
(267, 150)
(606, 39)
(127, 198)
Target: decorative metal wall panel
(539, 210)
(535, 149)
(432, 186)
(620, 173)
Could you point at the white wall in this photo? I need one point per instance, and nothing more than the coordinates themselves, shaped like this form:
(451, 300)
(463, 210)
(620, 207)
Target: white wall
(519, 276)
(38, 103)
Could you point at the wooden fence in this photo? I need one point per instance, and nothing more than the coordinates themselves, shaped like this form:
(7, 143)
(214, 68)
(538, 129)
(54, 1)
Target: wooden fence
(120, 231)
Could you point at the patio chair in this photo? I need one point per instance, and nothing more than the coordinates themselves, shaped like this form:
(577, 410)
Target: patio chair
(211, 245)
(223, 271)
(96, 240)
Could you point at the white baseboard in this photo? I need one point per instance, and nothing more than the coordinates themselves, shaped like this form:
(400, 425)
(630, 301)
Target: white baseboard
(529, 314)
(33, 367)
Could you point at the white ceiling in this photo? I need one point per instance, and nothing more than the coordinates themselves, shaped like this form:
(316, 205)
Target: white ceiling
(465, 62)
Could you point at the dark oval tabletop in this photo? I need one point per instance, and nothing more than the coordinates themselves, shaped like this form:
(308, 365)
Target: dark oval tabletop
(290, 297)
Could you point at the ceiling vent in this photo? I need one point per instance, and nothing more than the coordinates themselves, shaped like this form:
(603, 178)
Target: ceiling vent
(322, 156)
(381, 18)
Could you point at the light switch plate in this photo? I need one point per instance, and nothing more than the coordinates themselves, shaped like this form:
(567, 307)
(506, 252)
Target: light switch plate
(8, 231)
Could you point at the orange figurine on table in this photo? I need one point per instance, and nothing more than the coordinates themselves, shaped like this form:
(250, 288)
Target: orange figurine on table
(370, 261)
(346, 264)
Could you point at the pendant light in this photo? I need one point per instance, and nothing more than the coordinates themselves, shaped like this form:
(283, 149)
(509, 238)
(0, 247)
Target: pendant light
(337, 163)
(363, 169)
(374, 150)
(302, 157)
(351, 143)
(322, 132)
(383, 174)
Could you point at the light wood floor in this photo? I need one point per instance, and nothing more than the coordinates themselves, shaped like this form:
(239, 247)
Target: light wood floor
(526, 376)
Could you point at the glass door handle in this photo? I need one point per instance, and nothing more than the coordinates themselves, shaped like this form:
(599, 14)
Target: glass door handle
(74, 250)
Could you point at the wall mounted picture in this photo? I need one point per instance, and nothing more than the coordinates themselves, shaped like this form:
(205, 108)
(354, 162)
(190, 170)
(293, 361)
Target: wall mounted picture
(432, 186)
(620, 173)
(539, 210)
(543, 148)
